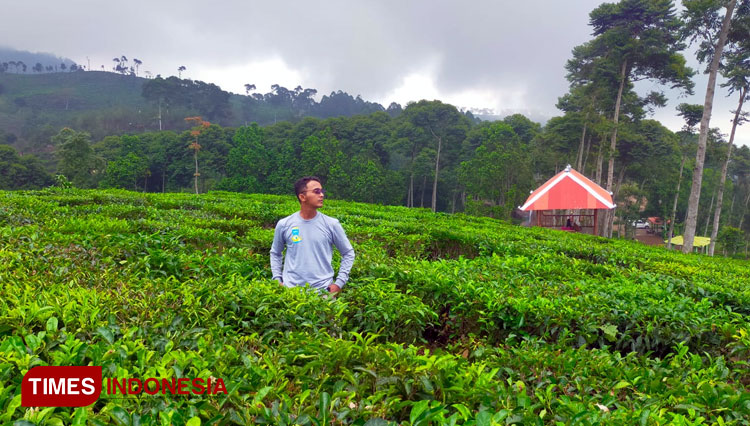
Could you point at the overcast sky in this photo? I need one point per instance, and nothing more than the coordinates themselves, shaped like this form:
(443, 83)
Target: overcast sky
(507, 56)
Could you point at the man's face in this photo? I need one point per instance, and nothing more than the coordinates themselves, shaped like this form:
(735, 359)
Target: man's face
(313, 195)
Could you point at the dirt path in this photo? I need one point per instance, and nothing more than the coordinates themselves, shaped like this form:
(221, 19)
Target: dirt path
(649, 239)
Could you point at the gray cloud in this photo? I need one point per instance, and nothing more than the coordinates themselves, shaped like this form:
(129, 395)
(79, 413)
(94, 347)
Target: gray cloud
(365, 48)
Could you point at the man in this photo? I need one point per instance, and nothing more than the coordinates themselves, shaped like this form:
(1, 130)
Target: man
(309, 237)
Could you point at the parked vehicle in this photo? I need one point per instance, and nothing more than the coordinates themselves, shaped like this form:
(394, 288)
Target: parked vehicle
(640, 224)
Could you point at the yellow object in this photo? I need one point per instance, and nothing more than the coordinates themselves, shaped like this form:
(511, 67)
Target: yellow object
(697, 241)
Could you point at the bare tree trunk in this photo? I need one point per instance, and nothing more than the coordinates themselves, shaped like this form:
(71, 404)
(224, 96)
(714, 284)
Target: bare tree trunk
(599, 163)
(723, 179)
(695, 190)
(708, 217)
(163, 179)
(195, 156)
(410, 197)
(731, 207)
(453, 203)
(614, 197)
(424, 183)
(674, 206)
(410, 194)
(437, 169)
(744, 210)
(579, 162)
(160, 129)
(599, 171)
(586, 156)
(609, 214)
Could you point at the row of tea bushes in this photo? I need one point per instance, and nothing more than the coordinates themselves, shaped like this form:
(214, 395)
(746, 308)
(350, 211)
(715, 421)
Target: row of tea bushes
(447, 319)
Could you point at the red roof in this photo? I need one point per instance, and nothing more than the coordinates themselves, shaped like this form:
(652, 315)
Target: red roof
(569, 190)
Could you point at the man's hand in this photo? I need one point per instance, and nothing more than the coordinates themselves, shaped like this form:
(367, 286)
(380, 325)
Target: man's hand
(333, 289)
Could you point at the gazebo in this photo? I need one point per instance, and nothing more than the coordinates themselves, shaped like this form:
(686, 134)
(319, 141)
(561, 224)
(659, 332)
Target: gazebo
(698, 242)
(568, 190)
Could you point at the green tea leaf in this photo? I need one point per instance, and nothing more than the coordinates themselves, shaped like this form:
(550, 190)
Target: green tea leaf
(417, 409)
(106, 333)
(80, 416)
(52, 325)
(484, 418)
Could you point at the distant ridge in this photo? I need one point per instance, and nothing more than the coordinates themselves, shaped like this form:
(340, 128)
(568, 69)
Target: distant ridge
(30, 58)
(35, 104)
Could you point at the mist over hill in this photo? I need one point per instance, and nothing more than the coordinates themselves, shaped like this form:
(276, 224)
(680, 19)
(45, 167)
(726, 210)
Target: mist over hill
(41, 93)
(30, 59)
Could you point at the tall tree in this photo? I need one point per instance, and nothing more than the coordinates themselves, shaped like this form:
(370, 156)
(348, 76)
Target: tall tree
(199, 127)
(21, 172)
(249, 163)
(77, 160)
(701, 18)
(589, 97)
(692, 115)
(445, 125)
(394, 109)
(319, 153)
(409, 140)
(741, 170)
(498, 176)
(125, 172)
(635, 40)
(737, 72)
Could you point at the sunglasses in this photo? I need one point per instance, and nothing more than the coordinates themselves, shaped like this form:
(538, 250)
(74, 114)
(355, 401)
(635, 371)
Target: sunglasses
(317, 191)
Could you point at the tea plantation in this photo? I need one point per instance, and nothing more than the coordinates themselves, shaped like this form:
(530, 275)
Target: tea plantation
(445, 320)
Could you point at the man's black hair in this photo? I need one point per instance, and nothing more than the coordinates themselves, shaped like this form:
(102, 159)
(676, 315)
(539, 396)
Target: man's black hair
(301, 184)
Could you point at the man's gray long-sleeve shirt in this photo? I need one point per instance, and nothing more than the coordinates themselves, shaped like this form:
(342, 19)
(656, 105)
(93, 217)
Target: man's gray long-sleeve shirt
(309, 250)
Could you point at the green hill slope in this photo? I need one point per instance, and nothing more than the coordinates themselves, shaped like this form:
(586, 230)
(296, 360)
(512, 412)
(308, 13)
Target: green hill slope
(445, 320)
(35, 107)
(76, 90)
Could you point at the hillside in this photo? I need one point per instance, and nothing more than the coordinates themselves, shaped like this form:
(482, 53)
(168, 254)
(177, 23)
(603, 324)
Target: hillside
(446, 319)
(48, 62)
(73, 91)
(34, 107)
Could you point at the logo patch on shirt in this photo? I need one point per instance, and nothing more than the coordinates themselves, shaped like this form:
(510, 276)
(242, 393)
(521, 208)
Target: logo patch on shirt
(295, 235)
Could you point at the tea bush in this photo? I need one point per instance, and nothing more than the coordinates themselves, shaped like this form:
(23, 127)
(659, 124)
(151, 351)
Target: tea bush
(446, 319)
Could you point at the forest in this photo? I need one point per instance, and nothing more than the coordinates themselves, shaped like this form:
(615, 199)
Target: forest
(428, 154)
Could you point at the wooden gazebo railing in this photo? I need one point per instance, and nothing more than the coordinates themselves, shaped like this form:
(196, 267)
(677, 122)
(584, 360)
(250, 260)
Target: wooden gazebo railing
(565, 192)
